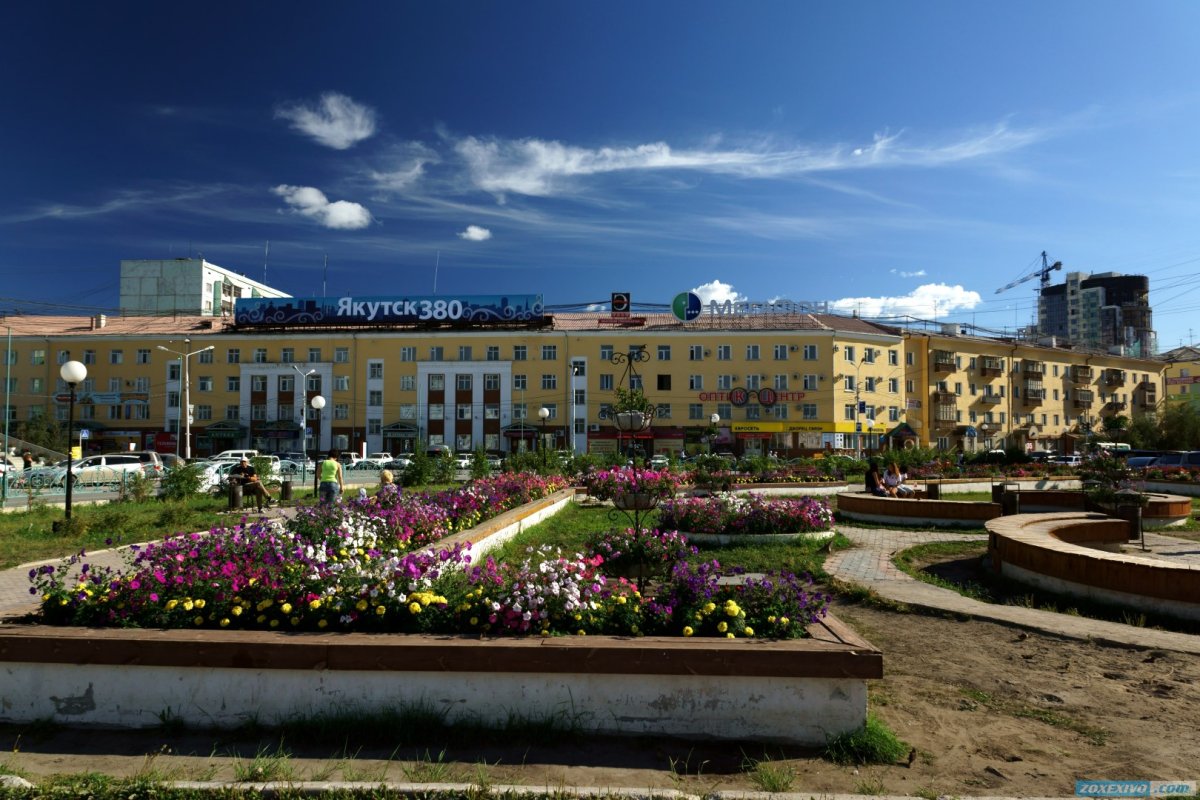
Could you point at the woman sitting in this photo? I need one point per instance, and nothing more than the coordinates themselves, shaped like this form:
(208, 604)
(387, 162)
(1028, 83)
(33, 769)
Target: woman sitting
(389, 492)
(893, 482)
(875, 481)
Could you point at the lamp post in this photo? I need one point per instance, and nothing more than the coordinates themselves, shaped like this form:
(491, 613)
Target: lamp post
(543, 415)
(300, 407)
(185, 410)
(714, 419)
(73, 373)
(317, 403)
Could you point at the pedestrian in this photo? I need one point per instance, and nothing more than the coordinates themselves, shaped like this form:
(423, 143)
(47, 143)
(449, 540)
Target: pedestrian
(27, 460)
(247, 477)
(330, 473)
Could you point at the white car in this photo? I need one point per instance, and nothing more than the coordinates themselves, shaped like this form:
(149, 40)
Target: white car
(659, 462)
(100, 470)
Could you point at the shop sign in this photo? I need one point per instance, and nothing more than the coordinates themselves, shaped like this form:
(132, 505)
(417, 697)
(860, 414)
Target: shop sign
(385, 310)
(758, 308)
(739, 396)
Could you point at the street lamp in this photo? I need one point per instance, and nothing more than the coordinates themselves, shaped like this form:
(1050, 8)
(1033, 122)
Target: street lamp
(317, 403)
(714, 419)
(73, 373)
(543, 415)
(303, 389)
(185, 410)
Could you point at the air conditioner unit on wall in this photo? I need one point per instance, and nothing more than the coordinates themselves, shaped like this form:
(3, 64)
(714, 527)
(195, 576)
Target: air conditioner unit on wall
(793, 348)
(594, 427)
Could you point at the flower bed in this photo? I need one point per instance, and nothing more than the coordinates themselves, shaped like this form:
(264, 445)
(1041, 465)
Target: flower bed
(607, 484)
(745, 515)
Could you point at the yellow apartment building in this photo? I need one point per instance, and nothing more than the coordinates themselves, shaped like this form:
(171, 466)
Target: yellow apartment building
(1183, 376)
(788, 382)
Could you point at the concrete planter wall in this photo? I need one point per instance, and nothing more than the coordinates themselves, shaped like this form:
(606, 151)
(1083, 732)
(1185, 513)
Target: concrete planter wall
(797, 691)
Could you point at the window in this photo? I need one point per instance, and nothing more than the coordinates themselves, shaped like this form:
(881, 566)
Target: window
(664, 383)
(374, 427)
(341, 383)
(781, 382)
(205, 357)
(89, 356)
(724, 382)
(894, 385)
(36, 385)
(491, 411)
(233, 412)
(664, 352)
(233, 384)
(63, 357)
(781, 351)
(606, 352)
(696, 382)
(606, 383)
(464, 352)
(408, 411)
(141, 384)
(437, 383)
(204, 383)
(752, 352)
(520, 383)
(810, 383)
(258, 411)
(341, 411)
(549, 352)
(287, 355)
(173, 370)
(869, 384)
(408, 354)
(462, 383)
(695, 352)
(663, 411)
(258, 383)
(143, 355)
(341, 355)
(375, 398)
(724, 352)
(314, 354)
(520, 352)
(753, 412)
(809, 411)
(408, 383)
(725, 411)
(260, 355)
(520, 411)
(462, 442)
(114, 385)
(375, 370)
(908, 359)
(203, 413)
(549, 381)
(849, 411)
(848, 352)
(753, 382)
(908, 386)
(893, 358)
(38, 357)
(114, 357)
(493, 352)
(579, 368)
(553, 409)
(286, 383)
(810, 352)
(462, 411)
(435, 353)
(695, 411)
(869, 355)
(848, 383)
(285, 411)
(233, 356)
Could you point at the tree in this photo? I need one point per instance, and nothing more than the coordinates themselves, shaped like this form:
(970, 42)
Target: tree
(43, 431)
(1143, 433)
(1180, 427)
(1115, 427)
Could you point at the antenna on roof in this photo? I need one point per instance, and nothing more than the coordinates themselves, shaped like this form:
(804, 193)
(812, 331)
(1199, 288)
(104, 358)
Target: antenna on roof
(437, 262)
(266, 255)
(325, 275)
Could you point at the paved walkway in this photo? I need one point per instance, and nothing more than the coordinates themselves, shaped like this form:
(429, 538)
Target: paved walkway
(869, 564)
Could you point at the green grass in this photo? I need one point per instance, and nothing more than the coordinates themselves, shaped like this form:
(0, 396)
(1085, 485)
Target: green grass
(873, 743)
(907, 560)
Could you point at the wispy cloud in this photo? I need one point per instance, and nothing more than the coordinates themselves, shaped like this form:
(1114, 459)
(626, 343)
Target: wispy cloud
(917, 274)
(474, 233)
(927, 300)
(543, 168)
(128, 200)
(312, 203)
(716, 290)
(336, 121)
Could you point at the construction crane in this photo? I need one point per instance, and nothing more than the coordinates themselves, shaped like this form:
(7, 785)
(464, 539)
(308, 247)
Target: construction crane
(1044, 272)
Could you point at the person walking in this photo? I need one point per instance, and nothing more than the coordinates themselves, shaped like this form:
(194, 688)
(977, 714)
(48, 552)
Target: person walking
(27, 460)
(330, 472)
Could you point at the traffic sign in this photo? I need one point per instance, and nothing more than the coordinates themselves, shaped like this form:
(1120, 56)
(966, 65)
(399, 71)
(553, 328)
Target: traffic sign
(84, 433)
(62, 398)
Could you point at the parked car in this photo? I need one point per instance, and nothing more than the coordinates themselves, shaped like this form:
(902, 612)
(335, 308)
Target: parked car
(1182, 458)
(1072, 460)
(1139, 462)
(101, 470)
(439, 451)
(380, 458)
(398, 464)
(153, 461)
(659, 462)
(463, 460)
(235, 454)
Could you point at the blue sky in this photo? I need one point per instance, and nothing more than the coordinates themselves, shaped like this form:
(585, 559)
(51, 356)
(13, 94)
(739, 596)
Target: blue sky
(892, 158)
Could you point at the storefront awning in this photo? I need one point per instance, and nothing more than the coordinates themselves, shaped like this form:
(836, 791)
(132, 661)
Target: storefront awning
(902, 431)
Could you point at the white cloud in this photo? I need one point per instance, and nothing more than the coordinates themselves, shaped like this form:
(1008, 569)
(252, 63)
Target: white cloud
(312, 203)
(474, 233)
(718, 291)
(543, 168)
(338, 121)
(926, 301)
(917, 274)
(597, 307)
(406, 166)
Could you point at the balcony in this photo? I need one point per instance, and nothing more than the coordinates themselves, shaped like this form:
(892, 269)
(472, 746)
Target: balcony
(1080, 374)
(990, 398)
(1149, 399)
(1034, 367)
(945, 417)
(1114, 377)
(1082, 399)
(991, 366)
(1116, 405)
(943, 361)
(942, 396)
(1034, 397)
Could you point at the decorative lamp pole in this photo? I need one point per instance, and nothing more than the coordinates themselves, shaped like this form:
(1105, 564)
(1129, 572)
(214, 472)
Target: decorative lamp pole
(317, 403)
(714, 419)
(543, 415)
(185, 410)
(73, 373)
(303, 389)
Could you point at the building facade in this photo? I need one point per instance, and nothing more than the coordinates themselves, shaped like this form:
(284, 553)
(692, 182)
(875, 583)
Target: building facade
(793, 383)
(185, 286)
(1105, 310)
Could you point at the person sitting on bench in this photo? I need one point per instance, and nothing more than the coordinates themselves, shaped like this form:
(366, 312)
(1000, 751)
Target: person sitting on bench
(247, 477)
(875, 481)
(893, 482)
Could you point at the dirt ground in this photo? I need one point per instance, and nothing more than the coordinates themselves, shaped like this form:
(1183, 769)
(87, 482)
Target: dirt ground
(989, 710)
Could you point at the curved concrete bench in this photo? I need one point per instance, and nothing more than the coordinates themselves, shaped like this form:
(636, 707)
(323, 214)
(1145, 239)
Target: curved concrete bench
(1163, 510)
(916, 511)
(1079, 554)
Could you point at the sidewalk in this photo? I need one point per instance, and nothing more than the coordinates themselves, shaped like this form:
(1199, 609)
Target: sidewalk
(870, 564)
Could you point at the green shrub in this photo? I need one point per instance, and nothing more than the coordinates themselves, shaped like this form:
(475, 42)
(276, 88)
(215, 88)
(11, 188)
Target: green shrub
(182, 482)
(137, 488)
(873, 743)
(479, 464)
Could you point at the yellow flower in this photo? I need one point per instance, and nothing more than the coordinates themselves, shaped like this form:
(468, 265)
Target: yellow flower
(323, 623)
(730, 636)
(236, 611)
(722, 627)
(709, 608)
(199, 620)
(274, 623)
(771, 619)
(687, 631)
(314, 604)
(731, 609)
(783, 620)
(295, 621)
(545, 632)
(621, 600)
(361, 605)
(199, 604)
(260, 619)
(380, 611)
(188, 605)
(171, 604)
(224, 622)
(286, 608)
(580, 632)
(413, 608)
(749, 631)
(474, 621)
